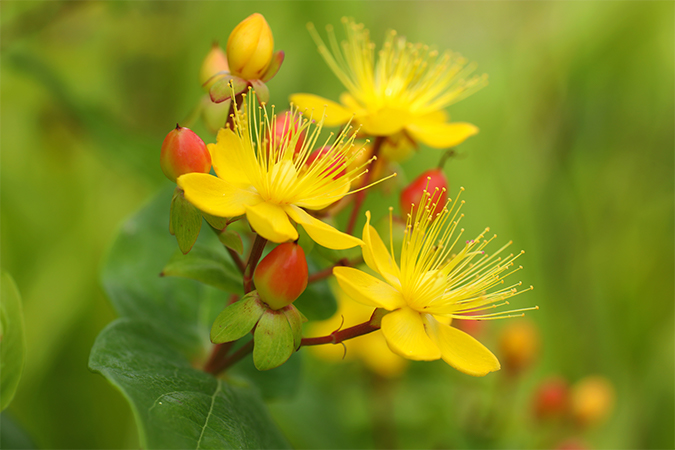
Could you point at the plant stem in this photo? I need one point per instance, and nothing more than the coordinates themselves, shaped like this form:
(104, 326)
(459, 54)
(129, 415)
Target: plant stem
(361, 195)
(217, 357)
(341, 335)
(233, 359)
(253, 258)
(449, 153)
(236, 259)
(328, 271)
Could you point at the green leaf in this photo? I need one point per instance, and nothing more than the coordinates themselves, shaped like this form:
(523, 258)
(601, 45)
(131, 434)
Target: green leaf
(232, 240)
(186, 221)
(12, 340)
(183, 309)
(219, 223)
(208, 264)
(237, 320)
(176, 405)
(273, 341)
(12, 435)
(282, 382)
(295, 321)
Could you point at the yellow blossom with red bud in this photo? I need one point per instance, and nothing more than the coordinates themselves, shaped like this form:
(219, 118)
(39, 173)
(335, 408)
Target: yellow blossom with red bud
(399, 92)
(265, 178)
(434, 281)
(251, 61)
(183, 152)
(282, 275)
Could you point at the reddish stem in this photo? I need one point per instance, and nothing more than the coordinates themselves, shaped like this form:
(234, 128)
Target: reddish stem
(234, 358)
(236, 259)
(253, 258)
(328, 271)
(341, 335)
(361, 195)
(217, 357)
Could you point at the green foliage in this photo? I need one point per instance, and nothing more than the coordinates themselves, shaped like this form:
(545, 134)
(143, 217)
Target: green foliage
(210, 265)
(232, 240)
(238, 319)
(273, 341)
(12, 340)
(176, 405)
(150, 354)
(186, 221)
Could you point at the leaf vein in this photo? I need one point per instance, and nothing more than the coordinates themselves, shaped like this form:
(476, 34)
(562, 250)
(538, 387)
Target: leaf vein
(208, 416)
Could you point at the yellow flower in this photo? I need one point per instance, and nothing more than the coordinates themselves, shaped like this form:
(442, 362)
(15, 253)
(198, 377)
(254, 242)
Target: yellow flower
(371, 349)
(262, 174)
(431, 286)
(405, 91)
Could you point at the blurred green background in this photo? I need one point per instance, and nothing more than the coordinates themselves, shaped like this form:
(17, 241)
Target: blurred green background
(574, 162)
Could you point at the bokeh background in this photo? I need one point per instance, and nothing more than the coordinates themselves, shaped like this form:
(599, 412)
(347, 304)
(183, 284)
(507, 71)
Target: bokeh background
(574, 162)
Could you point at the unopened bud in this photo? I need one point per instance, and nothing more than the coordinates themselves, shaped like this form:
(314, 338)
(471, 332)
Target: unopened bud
(215, 62)
(282, 275)
(183, 152)
(551, 398)
(250, 48)
(335, 166)
(430, 180)
(592, 400)
(518, 345)
(285, 131)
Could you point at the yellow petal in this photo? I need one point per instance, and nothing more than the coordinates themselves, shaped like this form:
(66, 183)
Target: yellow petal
(441, 135)
(317, 107)
(215, 196)
(406, 336)
(322, 197)
(230, 161)
(271, 222)
(384, 122)
(367, 289)
(320, 232)
(376, 255)
(460, 350)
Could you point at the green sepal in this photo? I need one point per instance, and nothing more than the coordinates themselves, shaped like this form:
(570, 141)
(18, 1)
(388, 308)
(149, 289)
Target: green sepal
(232, 240)
(13, 348)
(238, 319)
(219, 223)
(208, 265)
(294, 318)
(222, 90)
(262, 92)
(273, 340)
(186, 221)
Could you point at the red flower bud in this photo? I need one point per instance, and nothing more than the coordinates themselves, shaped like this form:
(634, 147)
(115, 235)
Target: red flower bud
(333, 168)
(551, 398)
(286, 129)
(281, 276)
(429, 180)
(183, 152)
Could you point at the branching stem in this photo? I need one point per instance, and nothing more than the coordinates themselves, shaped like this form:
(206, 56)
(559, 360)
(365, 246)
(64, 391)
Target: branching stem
(361, 195)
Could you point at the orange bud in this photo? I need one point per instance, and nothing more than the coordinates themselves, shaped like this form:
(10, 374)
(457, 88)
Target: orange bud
(215, 62)
(429, 180)
(592, 400)
(518, 345)
(281, 276)
(250, 48)
(551, 398)
(183, 152)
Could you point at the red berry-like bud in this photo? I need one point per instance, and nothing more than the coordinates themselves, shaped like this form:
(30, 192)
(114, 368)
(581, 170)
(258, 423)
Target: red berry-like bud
(551, 398)
(429, 180)
(286, 129)
(333, 167)
(281, 276)
(183, 152)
